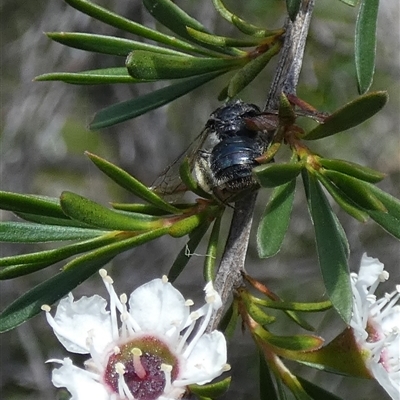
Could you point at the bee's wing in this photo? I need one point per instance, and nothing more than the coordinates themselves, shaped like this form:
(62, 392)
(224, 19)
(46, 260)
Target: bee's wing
(169, 184)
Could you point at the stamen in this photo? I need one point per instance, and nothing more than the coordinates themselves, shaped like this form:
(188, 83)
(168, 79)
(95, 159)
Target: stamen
(200, 330)
(137, 364)
(164, 278)
(189, 302)
(45, 307)
(167, 369)
(123, 389)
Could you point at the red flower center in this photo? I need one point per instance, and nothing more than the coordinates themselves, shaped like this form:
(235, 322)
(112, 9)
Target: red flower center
(142, 359)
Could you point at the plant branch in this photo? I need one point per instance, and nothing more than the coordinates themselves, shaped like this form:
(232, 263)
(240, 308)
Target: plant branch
(285, 80)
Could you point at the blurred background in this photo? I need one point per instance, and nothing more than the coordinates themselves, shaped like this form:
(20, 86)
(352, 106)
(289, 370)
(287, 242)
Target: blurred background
(44, 135)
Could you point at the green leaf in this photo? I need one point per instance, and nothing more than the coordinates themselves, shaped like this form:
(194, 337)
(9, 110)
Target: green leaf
(93, 214)
(330, 248)
(209, 271)
(390, 220)
(211, 390)
(129, 109)
(223, 40)
(185, 173)
(19, 265)
(32, 233)
(131, 184)
(242, 25)
(48, 292)
(113, 19)
(351, 3)
(228, 322)
(31, 204)
(186, 225)
(74, 273)
(260, 316)
(352, 114)
(44, 220)
(186, 253)
(92, 77)
(342, 199)
(365, 43)
(275, 220)
(297, 342)
(249, 72)
(352, 169)
(273, 175)
(317, 392)
(293, 7)
(291, 343)
(267, 387)
(177, 20)
(357, 190)
(106, 44)
(148, 65)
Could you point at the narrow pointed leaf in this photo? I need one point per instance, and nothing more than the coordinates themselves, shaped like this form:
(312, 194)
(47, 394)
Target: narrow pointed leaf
(253, 30)
(48, 292)
(223, 40)
(275, 220)
(33, 233)
(14, 266)
(390, 220)
(155, 66)
(177, 20)
(293, 7)
(351, 3)
(94, 214)
(330, 248)
(249, 72)
(352, 114)
(365, 43)
(186, 253)
(129, 109)
(44, 220)
(352, 169)
(317, 392)
(273, 175)
(131, 184)
(212, 390)
(357, 190)
(102, 14)
(32, 204)
(343, 200)
(92, 77)
(74, 273)
(297, 342)
(267, 387)
(106, 44)
(209, 271)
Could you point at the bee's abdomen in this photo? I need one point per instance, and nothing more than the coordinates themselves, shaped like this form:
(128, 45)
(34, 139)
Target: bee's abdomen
(232, 160)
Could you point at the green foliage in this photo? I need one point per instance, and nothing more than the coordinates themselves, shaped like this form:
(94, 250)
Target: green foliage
(145, 62)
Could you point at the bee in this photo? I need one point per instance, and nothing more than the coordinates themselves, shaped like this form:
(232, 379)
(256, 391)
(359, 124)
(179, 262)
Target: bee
(222, 157)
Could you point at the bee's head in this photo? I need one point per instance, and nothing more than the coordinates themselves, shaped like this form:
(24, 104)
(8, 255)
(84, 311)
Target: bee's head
(229, 120)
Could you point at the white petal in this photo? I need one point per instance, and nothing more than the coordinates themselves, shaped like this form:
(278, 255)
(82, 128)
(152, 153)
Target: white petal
(81, 319)
(384, 379)
(78, 382)
(370, 270)
(207, 359)
(158, 306)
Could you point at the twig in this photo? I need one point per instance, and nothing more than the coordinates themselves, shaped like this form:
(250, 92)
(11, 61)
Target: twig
(285, 80)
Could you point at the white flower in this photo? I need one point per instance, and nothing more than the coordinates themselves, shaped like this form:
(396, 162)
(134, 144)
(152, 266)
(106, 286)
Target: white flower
(154, 353)
(376, 325)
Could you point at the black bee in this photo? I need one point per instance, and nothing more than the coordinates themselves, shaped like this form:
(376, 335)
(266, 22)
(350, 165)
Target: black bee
(222, 157)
